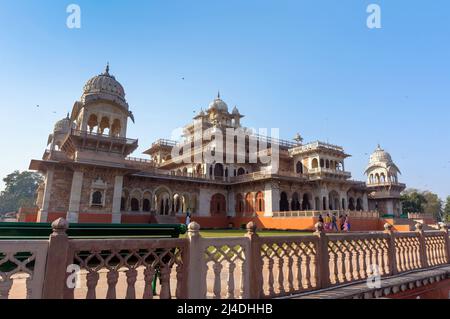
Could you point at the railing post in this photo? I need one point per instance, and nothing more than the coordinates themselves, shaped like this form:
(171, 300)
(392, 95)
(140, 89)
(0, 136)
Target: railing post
(196, 270)
(392, 256)
(444, 228)
(423, 247)
(255, 262)
(55, 270)
(323, 267)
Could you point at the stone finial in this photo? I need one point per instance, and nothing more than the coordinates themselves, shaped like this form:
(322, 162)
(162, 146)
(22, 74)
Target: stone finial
(388, 227)
(60, 226)
(251, 228)
(419, 227)
(193, 227)
(319, 227)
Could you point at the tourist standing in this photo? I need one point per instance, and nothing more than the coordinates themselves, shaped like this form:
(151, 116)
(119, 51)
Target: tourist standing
(188, 219)
(321, 219)
(341, 222)
(334, 223)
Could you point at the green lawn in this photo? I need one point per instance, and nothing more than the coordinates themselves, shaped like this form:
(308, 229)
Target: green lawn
(241, 233)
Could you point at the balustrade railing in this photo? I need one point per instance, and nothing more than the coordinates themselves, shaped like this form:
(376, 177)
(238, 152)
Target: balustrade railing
(195, 267)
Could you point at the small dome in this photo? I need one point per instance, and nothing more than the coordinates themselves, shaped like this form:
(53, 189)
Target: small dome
(380, 156)
(104, 83)
(236, 111)
(64, 125)
(218, 104)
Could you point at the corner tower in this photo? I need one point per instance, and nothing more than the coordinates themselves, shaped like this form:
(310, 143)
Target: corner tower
(382, 183)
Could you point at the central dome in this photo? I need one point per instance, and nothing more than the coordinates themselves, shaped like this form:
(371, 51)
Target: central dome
(218, 104)
(106, 84)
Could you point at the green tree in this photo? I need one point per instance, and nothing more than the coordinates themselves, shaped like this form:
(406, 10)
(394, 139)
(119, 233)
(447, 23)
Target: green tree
(413, 201)
(447, 209)
(433, 205)
(20, 190)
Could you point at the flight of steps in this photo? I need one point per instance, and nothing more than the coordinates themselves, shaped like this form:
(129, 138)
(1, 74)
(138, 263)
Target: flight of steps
(166, 219)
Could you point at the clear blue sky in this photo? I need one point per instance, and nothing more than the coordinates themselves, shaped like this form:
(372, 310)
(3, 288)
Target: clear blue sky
(308, 66)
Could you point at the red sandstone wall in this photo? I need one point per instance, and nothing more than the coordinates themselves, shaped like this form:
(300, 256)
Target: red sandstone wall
(357, 224)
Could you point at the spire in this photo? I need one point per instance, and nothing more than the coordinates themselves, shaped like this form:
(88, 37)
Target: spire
(218, 95)
(67, 116)
(107, 68)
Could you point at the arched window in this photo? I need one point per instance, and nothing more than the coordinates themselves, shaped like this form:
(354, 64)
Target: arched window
(306, 204)
(315, 163)
(359, 204)
(134, 204)
(218, 170)
(116, 128)
(322, 163)
(295, 204)
(92, 123)
(260, 204)
(146, 205)
(123, 202)
(97, 198)
(327, 164)
(351, 203)
(284, 202)
(249, 204)
(239, 205)
(218, 205)
(299, 168)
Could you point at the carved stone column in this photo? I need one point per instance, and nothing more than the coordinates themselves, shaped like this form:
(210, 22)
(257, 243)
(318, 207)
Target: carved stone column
(117, 199)
(43, 212)
(75, 197)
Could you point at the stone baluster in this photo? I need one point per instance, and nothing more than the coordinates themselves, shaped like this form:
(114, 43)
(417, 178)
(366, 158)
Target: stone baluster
(180, 282)
(300, 272)
(57, 260)
(91, 282)
(217, 269)
(255, 261)
(444, 228)
(323, 268)
(231, 286)
(131, 282)
(271, 280)
(28, 283)
(165, 282)
(149, 275)
(112, 278)
(423, 248)
(5, 287)
(280, 265)
(390, 252)
(290, 274)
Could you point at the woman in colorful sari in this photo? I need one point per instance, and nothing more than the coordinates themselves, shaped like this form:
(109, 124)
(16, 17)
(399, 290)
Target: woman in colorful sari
(327, 222)
(347, 224)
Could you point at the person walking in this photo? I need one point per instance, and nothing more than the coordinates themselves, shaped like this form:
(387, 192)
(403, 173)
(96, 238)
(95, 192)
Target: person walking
(341, 222)
(321, 219)
(347, 224)
(334, 226)
(328, 222)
